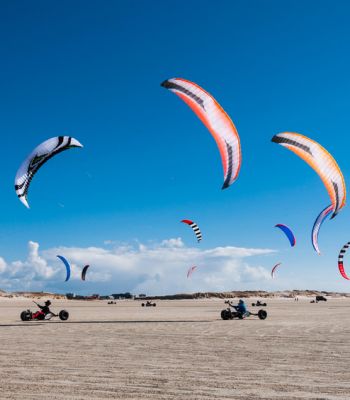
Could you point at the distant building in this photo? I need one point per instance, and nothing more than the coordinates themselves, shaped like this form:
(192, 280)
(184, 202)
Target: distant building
(126, 295)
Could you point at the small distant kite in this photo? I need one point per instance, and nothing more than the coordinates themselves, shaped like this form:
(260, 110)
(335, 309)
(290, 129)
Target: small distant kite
(190, 271)
(274, 269)
(340, 261)
(68, 268)
(288, 232)
(36, 159)
(83, 272)
(195, 228)
(216, 121)
(317, 226)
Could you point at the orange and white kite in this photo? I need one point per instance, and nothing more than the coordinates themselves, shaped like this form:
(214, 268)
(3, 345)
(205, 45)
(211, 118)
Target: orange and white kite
(216, 120)
(321, 161)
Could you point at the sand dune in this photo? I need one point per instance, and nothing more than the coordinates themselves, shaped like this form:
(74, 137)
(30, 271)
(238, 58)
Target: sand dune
(177, 350)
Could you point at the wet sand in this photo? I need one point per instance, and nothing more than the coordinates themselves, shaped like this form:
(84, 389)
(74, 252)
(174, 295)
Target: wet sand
(177, 350)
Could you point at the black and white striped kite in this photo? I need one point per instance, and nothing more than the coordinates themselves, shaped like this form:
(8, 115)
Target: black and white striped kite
(340, 260)
(195, 228)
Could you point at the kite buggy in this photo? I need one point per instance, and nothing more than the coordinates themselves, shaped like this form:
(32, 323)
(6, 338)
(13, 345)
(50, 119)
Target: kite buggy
(43, 314)
(148, 304)
(240, 312)
(259, 304)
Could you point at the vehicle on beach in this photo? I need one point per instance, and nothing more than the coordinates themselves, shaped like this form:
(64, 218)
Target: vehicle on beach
(44, 313)
(231, 312)
(148, 304)
(259, 304)
(318, 298)
(28, 315)
(112, 302)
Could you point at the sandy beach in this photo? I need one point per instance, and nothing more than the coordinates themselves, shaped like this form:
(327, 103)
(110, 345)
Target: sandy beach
(179, 349)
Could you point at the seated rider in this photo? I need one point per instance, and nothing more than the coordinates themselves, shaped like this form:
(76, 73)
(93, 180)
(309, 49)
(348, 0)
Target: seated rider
(240, 308)
(44, 310)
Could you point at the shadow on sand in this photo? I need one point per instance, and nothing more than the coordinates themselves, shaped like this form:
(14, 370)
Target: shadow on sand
(36, 323)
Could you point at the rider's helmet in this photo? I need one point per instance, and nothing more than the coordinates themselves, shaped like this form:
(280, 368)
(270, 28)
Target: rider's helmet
(47, 303)
(240, 301)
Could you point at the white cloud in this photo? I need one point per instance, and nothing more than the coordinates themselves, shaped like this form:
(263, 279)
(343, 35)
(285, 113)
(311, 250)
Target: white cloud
(23, 275)
(173, 243)
(156, 268)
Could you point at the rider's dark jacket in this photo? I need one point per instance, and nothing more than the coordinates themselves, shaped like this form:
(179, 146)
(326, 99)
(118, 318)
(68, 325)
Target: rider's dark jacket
(241, 308)
(45, 309)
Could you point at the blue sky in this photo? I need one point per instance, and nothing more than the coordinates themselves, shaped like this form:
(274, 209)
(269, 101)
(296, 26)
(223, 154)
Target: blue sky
(93, 70)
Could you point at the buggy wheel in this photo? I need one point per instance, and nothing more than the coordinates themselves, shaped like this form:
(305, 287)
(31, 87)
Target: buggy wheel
(25, 316)
(262, 314)
(63, 315)
(226, 314)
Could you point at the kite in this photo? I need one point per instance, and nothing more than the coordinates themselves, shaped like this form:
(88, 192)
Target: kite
(340, 261)
(36, 159)
(274, 269)
(190, 271)
(217, 122)
(287, 231)
(66, 263)
(317, 226)
(83, 272)
(321, 161)
(195, 228)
